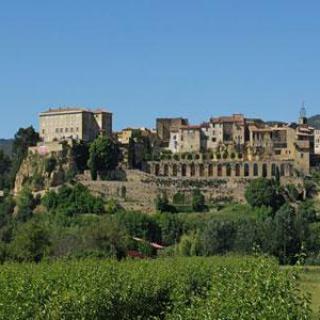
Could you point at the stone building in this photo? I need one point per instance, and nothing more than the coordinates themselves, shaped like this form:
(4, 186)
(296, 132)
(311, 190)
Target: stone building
(212, 134)
(233, 128)
(74, 123)
(126, 134)
(236, 137)
(316, 141)
(165, 125)
(187, 139)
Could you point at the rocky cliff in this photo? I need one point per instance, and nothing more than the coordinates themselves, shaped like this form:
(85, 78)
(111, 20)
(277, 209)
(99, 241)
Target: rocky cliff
(40, 172)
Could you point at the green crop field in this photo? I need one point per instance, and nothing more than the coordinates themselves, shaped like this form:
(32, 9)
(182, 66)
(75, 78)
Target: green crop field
(310, 282)
(169, 289)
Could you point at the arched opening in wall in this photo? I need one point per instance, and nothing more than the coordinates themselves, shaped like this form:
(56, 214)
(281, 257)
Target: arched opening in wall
(237, 170)
(219, 169)
(228, 170)
(273, 170)
(246, 170)
(264, 170)
(183, 170)
(255, 170)
(156, 169)
(201, 170)
(210, 170)
(165, 170)
(282, 170)
(192, 170)
(174, 170)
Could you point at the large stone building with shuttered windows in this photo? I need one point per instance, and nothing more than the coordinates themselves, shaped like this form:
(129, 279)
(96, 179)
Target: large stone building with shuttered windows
(74, 123)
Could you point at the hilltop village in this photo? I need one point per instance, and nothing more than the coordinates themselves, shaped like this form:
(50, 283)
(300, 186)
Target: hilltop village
(233, 146)
(218, 156)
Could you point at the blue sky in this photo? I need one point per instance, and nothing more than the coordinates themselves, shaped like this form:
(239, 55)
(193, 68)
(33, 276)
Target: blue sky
(147, 58)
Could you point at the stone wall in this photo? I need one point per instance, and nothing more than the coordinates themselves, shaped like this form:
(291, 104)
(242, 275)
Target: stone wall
(141, 189)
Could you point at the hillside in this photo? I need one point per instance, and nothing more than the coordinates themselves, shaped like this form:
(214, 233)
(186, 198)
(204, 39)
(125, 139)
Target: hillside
(6, 146)
(314, 121)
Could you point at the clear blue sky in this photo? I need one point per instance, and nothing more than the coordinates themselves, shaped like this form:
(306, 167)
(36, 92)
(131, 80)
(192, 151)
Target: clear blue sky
(148, 58)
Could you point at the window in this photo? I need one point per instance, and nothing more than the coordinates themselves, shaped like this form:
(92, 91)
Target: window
(301, 155)
(43, 131)
(214, 139)
(57, 130)
(66, 129)
(61, 130)
(71, 129)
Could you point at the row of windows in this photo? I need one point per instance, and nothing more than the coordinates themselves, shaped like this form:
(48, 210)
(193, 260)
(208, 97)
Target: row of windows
(66, 130)
(61, 130)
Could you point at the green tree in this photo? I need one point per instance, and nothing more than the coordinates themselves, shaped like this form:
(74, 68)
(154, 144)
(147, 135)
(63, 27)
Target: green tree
(50, 165)
(171, 228)
(31, 242)
(73, 201)
(198, 201)
(104, 156)
(139, 225)
(262, 192)
(287, 241)
(23, 139)
(5, 166)
(25, 204)
(106, 238)
(131, 154)
(80, 155)
(218, 237)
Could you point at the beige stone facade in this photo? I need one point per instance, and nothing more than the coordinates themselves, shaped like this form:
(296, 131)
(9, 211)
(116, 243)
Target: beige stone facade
(252, 139)
(125, 135)
(166, 125)
(317, 142)
(186, 139)
(74, 123)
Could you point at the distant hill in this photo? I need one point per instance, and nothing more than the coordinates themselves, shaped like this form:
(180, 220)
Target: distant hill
(6, 146)
(314, 121)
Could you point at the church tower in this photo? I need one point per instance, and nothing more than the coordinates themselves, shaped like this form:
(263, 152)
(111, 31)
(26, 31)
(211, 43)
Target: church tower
(303, 115)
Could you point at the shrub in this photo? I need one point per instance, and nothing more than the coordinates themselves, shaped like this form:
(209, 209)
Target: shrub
(50, 165)
(179, 198)
(73, 200)
(176, 157)
(262, 192)
(198, 201)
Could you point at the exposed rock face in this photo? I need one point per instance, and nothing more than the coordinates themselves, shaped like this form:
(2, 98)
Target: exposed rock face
(34, 171)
